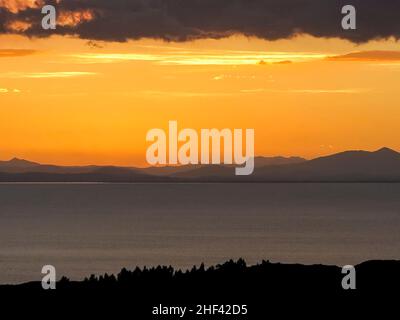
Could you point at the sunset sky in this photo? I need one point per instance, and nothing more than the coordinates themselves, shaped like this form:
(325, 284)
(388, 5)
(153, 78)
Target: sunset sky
(70, 100)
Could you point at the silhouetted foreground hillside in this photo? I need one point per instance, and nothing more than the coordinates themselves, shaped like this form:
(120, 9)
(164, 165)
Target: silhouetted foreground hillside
(266, 289)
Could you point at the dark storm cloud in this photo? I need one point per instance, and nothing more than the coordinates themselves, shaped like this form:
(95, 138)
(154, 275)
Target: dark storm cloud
(182, 20)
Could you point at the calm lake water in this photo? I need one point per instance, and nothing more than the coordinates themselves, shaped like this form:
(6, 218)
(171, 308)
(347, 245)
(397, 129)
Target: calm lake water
(97, 228)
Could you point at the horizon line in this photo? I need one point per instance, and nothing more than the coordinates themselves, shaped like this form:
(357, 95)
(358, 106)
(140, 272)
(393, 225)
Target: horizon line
(179, 165)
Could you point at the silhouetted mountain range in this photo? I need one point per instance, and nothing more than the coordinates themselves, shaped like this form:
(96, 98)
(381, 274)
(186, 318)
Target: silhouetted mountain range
(350, 166)
(381, 165)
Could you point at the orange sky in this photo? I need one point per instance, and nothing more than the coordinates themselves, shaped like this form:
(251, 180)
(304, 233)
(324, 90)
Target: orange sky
(65, 102)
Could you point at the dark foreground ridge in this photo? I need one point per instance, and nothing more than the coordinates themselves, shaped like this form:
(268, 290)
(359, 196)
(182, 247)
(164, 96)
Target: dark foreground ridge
(266, 289)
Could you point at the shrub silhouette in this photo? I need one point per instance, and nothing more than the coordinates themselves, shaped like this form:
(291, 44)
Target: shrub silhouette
(266, 288)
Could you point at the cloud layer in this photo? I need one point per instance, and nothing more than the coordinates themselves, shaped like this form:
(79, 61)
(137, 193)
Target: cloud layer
(184, 20)
(7, 53)
(368, 56)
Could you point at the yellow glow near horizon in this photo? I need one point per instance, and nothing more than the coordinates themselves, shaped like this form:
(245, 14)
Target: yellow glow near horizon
(200, 58)
(64, 102)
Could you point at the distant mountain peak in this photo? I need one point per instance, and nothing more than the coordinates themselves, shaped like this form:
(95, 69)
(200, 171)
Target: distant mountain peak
(17, 162)
(386, 150)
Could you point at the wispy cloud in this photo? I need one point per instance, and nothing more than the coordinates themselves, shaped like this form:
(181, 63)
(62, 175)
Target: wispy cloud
(368, 56)
(200, 58)
(191, 94)
(306, 91)
(185, 94)
(328, 91)
(9, 53)
(40, 75)
(6, 90)
(233, 77)
(386, 64)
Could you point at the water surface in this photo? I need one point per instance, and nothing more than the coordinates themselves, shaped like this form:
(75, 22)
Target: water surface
(97, 228)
